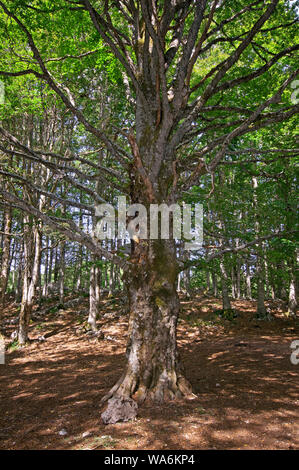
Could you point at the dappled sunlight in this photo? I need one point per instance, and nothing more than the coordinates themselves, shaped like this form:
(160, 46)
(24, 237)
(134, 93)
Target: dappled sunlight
(246, 387)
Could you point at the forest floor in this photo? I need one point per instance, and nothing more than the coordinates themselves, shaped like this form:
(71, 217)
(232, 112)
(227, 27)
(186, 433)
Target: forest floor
(247, 388)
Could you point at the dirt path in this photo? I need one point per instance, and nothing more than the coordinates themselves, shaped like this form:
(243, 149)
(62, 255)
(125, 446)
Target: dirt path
(246, 386)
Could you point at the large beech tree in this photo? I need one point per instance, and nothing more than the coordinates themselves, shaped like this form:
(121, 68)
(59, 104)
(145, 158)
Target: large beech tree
(198, 76)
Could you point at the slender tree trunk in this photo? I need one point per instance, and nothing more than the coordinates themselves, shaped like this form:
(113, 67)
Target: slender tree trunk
(215, 286)
(5, 261)
(187, 278)
(13, 267)
(208, 280)
(79, 257)
(98, 284)
(32, 259)
(61, 272)
(78, 270)
(111, 279)
(226, 305)
(179, 282)
(261, 309)
(50, 277)
(46, 271)
(248, 282)
(233, 275)
(26, 306)
(267, 289)
(56, 265)
(238, 279)
(292, 307)
(93, 300)
(293, 303)
(20, 274)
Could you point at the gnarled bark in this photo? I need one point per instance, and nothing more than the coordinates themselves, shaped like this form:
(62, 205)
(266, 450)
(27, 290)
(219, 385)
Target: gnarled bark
(153, 368)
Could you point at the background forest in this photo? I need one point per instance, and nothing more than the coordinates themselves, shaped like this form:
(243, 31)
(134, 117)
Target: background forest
(160, 101)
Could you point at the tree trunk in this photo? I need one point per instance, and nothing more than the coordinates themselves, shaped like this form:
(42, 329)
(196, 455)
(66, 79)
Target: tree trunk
(61, 272)
(20, 272)
(214, 282)
(93, 301)
(261, 309)
(46, 271)
(56, 265)
(248, 282)
(153, 368)
(98, 283)
(234, 287)
(106, 279)
(226, 305)
(111, 280)
(5, 254)
(267, 284)
(32, 258)
(292, 306)
(260, 268)
(179, 283)
(51, 265)
(238, 279)
(208, 280)
(77, 284)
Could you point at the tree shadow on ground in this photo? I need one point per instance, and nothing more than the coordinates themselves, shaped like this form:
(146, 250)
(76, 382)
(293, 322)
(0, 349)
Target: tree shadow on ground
(247, 397)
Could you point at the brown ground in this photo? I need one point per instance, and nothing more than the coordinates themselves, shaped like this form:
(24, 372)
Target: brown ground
(247, 388)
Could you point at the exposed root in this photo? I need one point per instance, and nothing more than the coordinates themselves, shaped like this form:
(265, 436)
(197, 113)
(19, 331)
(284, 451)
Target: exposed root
(124, 388)
(165, 389)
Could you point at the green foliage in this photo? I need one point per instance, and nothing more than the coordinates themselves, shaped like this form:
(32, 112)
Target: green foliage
(227, 314)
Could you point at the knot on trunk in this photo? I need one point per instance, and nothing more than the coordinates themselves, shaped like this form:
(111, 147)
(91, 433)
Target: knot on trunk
(119, 409)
